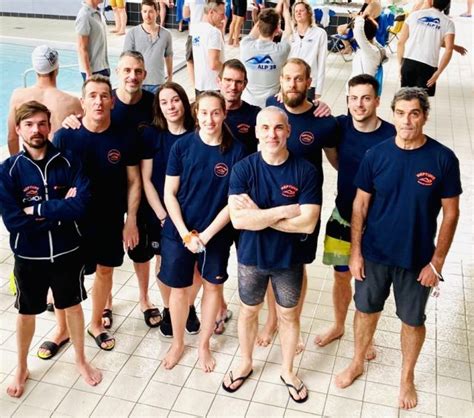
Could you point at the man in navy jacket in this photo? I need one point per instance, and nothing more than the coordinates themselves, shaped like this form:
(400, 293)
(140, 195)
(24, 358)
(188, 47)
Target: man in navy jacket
(43, 194)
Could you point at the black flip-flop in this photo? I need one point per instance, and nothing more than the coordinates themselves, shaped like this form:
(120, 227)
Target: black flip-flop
(297, 390)
(152, 313)
(107, 314)
(232, 381)
(52, 347)
(103, 337)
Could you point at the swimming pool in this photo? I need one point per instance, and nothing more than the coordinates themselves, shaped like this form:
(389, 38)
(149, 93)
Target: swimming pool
(16, 58)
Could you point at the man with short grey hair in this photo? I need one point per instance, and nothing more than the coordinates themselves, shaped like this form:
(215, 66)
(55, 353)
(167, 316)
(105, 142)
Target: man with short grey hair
(402, 184)
(275, 200)
(92, 40)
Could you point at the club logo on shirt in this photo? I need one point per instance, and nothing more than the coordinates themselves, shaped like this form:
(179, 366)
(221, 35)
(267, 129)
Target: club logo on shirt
(288, 190)
(221, 170)
(261, 62)
(306, 138)
(31, 194)
(114, 156)
(432, 22)
(243, 128)
(196, 40)
(425, 179)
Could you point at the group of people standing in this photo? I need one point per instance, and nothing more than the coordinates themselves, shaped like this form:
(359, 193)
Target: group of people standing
(140, 169)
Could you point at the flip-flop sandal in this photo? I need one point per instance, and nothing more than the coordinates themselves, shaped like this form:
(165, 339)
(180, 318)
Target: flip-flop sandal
(297, 390)
(232, 381)
(150, 314)
(219, 328)
(103, 337)
(52, 347)
(107, 314)
(228, 315)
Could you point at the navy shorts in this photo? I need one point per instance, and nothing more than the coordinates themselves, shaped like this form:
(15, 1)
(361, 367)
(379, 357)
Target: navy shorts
(177, 263)
(33, 278)
(410, 296)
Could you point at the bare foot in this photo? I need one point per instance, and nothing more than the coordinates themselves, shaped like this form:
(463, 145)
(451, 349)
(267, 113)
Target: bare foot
(299, 346)
(408, 398)
(91, 375)
(206, 360)
(265, 337)
(329, 336)
(242, 371)
(172, 357)
(371, 352)
(347, 376)
(17, 387)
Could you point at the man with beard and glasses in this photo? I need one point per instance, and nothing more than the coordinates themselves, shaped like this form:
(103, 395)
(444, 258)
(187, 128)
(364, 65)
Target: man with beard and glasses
(43, 193)
(309, 136)
(359, 131)
(241, 116)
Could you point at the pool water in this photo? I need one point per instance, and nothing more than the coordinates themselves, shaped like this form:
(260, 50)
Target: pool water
(15, 59)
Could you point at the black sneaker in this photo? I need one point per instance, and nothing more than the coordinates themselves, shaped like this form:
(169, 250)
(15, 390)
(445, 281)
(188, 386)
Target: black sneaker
(193, 325)
(166, 329)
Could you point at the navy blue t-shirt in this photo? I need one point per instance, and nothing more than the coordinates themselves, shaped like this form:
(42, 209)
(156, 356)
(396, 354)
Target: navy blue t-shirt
(406, 187)
(242, 123)
(105, 157)
(133, 115)
(309, 134)
(352, 147)
(269, 186)
(204, 173)
(157, 146)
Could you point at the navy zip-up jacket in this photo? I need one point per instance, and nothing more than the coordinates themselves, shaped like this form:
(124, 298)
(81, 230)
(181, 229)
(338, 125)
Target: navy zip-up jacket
(52, 230)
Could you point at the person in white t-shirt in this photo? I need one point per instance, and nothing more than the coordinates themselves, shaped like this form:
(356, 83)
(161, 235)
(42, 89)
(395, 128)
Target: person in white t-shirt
(208, 46)
(263, 58)
(309, 42)
(424, 33)
(194, 11)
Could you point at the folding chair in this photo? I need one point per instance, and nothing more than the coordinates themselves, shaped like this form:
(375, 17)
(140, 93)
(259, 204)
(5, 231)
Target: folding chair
(337, 40)
(394, 30)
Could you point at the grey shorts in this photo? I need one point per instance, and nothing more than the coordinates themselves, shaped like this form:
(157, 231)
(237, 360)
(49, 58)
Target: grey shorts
(410, 296)
(286, 284)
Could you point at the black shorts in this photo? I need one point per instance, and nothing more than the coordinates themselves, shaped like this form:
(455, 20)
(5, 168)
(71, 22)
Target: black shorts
(239, 7)
(410, 296)
(177, 263)
(103, 242)
(286, 284)
(416, 74)
(147, 244)
(189, 49)
(33, 278)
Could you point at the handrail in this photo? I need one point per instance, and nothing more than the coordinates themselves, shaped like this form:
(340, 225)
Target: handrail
(30, 70)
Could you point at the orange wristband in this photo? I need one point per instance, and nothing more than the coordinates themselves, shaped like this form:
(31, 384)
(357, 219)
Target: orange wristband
(187, 238)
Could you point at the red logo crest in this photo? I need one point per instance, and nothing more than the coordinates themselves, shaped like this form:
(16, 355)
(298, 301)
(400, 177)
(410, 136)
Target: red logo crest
(221, 170)
(243, 128)
(306, 138)
(31, 191)
(425, 179)
(114, 156)
(288, 190)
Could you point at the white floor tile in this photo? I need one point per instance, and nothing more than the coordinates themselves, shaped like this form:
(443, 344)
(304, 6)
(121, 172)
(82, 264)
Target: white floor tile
(78, 403)
(186, 402)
